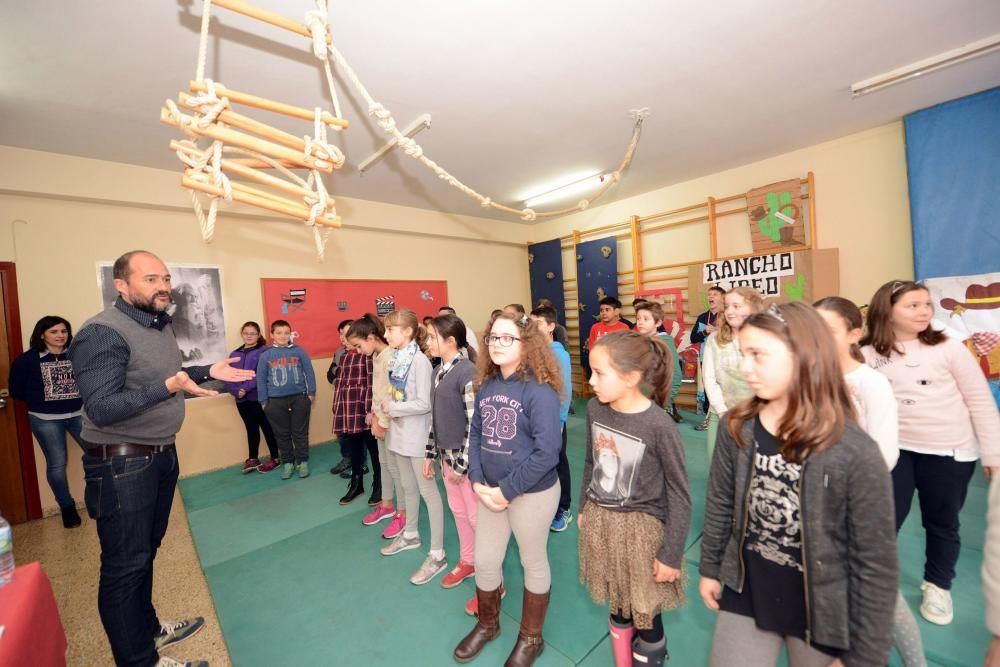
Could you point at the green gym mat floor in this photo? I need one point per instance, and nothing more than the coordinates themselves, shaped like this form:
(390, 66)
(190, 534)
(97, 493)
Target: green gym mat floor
(297, 580)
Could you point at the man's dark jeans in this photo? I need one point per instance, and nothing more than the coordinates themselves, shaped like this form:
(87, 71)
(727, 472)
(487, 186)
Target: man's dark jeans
(130, 498)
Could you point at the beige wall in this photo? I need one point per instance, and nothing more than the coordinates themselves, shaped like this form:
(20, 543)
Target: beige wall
(73, 212)
(861, 201)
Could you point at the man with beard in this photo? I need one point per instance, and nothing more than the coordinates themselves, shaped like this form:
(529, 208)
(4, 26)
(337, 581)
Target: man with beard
(128, 368)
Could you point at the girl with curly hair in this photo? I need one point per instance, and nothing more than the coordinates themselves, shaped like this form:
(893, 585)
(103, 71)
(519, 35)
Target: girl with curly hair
(514, 447)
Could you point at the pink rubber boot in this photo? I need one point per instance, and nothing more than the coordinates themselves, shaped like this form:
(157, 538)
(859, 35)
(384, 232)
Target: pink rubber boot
(621, 643)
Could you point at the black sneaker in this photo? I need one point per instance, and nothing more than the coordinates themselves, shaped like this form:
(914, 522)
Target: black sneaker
(345, 464)
(174, 633)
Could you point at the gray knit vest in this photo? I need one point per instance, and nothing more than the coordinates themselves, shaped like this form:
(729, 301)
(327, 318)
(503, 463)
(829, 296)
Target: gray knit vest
(154, 356)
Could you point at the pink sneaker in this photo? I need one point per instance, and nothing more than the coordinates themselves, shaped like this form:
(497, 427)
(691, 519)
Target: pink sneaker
(461, 572)
(250, 465)
(472, 606)
(395, 528)
(378, 514)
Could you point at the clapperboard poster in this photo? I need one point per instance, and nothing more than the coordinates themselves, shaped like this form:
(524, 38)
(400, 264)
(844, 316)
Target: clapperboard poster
(294, 299)
(385, 305)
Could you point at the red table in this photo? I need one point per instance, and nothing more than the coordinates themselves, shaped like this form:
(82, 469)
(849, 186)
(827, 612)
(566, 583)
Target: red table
(33, 633)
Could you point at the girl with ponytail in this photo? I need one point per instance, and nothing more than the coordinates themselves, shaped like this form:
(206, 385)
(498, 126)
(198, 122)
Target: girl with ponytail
(636, 506)
(409, 408)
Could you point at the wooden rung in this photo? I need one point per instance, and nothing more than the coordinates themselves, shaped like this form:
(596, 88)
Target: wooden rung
(249, 124)
(235, 167)
(267, 179)
(250, 190)
(235, 138)
(295, 211)
(266, 104)
(266, 16)
(254, 163)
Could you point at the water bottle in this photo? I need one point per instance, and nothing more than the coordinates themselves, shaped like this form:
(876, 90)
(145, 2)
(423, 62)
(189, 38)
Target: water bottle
(6, 552)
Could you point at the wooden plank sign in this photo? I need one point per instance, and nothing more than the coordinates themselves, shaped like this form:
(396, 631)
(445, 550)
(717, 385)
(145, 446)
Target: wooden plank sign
(776, 216)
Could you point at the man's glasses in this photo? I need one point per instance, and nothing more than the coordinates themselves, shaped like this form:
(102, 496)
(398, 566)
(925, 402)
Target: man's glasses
(505, 340)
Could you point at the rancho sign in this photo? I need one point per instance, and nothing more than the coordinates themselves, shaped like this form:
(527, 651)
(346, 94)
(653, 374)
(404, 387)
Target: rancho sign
(762, 272)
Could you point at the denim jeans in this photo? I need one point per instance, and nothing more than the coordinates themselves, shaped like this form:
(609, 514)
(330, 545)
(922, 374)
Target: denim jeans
(51, 436)
(130, 498)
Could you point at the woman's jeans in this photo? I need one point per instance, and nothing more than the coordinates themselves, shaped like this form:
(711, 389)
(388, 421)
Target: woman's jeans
(51, 436)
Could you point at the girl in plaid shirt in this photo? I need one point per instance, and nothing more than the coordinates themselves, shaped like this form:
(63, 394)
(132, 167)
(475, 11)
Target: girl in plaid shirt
(452, 405)
(352, 403)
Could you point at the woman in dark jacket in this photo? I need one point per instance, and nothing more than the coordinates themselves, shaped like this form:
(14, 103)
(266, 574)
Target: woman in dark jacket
(43, 377)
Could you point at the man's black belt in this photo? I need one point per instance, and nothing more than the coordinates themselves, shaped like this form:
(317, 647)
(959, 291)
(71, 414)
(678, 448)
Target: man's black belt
(127, 449)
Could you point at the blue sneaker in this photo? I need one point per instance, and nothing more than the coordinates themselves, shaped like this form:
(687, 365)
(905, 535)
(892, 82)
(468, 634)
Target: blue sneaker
(561, 522)
(175, 633)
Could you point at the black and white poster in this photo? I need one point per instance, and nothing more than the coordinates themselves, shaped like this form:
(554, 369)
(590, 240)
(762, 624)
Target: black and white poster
(196, 310)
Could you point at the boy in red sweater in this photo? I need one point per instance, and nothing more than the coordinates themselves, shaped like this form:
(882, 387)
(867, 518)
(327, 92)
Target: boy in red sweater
(611, 309)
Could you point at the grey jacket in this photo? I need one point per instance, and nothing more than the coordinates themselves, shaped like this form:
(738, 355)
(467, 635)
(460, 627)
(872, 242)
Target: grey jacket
(848, 539)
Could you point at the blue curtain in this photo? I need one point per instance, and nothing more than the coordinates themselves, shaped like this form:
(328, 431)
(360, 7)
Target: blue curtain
(953, 165)
(596, 277)
(545, 269)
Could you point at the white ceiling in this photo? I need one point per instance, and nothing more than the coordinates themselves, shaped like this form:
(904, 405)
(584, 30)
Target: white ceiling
(520, 92)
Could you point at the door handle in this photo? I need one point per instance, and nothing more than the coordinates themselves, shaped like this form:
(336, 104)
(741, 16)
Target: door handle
(3, 397)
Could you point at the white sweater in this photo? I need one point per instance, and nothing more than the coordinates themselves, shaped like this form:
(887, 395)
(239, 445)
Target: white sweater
(877, 411)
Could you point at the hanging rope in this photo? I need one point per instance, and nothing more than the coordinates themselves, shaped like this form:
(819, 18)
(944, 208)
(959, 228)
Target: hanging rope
(317, 22)
(206, 164)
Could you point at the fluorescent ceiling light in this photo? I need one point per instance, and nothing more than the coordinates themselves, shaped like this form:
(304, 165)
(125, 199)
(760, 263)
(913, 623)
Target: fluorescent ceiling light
(932, 64)
(573, 185)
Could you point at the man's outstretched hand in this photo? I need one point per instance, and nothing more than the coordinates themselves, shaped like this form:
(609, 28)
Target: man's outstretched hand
(223, 370)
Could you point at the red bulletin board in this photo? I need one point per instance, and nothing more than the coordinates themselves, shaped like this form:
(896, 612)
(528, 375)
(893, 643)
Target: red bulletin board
(314, 307)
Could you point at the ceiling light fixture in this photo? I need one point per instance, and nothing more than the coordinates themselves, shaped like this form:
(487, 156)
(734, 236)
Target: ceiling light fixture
(932, 64)
(575, 187)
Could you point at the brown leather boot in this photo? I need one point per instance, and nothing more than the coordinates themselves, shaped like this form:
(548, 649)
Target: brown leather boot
(487, 626)
(529, 640)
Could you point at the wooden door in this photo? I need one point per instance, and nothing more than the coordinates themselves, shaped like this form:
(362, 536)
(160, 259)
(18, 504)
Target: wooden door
(19, 500)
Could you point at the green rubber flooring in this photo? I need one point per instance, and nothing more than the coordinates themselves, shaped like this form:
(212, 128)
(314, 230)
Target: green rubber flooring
(297, 580)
